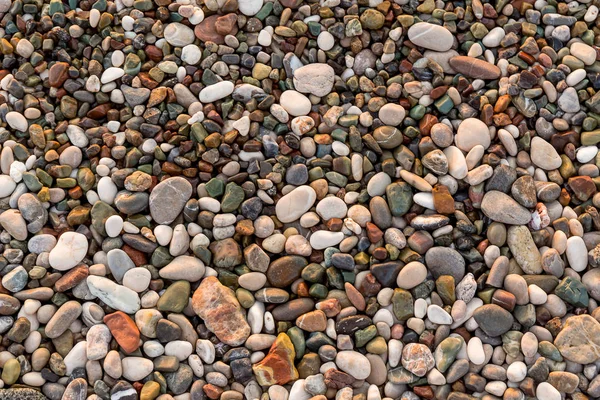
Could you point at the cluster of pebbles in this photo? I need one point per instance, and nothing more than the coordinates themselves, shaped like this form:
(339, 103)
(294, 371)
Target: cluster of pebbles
(299, 200)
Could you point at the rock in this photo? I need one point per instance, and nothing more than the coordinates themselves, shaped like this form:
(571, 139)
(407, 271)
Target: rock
(295, 103)
(70, 250)
(14, 223)
(168, 198)
(124, 330)
(392, 114)
(7, 186)
(524, 250)
(579, 340)
(62, 319)
(544, 155)
(493, 320)
(353, 363)
(277, 368)
(178, 35)
(17, 121)
(584, 52)
(316, 79)
(226, 253)
(472, 132)
(119, 263)
(378, 184)
(183, 268)
(445, 261)
(503, 208)
(295, 204)
(323, 239)
(216, 92)
(474, 67)
(114, 295)
(285, 270)
(221, 311)
(411, 275)
(136, 368)
(417, 359)
(430, 36)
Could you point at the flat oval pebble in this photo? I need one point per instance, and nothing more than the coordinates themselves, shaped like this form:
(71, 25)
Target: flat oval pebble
(294, 204)
(430, 36)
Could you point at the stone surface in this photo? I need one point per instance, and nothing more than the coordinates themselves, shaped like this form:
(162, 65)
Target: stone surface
(221, 312)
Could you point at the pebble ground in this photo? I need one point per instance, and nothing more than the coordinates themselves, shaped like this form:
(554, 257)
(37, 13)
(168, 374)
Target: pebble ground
(299, 200)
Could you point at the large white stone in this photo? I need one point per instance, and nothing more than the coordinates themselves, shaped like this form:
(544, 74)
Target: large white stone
(294, 204)
(353, 363)
(430, 36)
(17, 121)
(472, 132)
(185, 268)
(250, 7)
(322, 239)
(544, 155)
(178, 35)
(316, 79)
(295, 103)
(114, 295)
(136, 368)
(7, 186)
(216, 92)
(69, 251)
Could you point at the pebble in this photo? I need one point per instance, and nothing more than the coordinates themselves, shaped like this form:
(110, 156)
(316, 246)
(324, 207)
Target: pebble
(430, 36)
(316, 79)
(70, 249)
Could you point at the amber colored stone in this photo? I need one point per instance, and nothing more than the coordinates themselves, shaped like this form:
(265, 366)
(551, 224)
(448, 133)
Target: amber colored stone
(58, 74)
(138, 257)
(303, 290)
(565, 198)
(320, 138)
(277, 368)
(583, 187)
(502, 119)
(334, 224)
(124, 330)
(72, 278)
(373, 232)
(438, 92)
(355, 297)
(502, 103)
(380, 253)
(504, 299)
(212, 391)
(426, 123)
(314, 321)
(245, 227)
(99, 111)
(442, 200)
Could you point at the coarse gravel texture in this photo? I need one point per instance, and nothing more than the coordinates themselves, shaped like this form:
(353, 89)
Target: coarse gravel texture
(299, 200)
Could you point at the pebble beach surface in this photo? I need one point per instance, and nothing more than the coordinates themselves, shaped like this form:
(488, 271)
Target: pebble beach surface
(299, 200)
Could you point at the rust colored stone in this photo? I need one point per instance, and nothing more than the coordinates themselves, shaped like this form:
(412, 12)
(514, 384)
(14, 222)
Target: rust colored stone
(277, 368)
(72, 278)
(124, 330)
